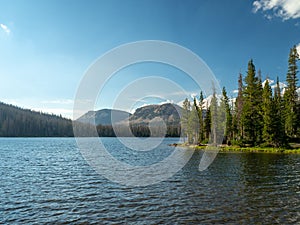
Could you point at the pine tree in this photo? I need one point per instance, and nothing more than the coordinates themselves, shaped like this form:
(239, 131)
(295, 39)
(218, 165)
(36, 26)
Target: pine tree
(199, 110)
(227, 116)
(267, 108)
(199, 119)
(278, 118)
(201, 122)
(259, 103)
(217, 120)
(193, 124)
(251, 114)
(238, 129)
(185, 117)
(207, 123)
(290, 94)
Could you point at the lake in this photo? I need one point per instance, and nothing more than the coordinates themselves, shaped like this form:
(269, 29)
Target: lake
(46, 180)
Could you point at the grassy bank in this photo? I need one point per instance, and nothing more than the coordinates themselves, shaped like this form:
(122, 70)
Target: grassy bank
(236, 149)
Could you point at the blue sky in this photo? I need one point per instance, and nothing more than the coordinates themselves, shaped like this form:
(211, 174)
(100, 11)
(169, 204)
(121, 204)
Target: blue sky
(47, 46)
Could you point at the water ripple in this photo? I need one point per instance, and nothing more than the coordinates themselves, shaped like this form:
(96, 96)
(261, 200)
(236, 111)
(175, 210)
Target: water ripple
(46, 181)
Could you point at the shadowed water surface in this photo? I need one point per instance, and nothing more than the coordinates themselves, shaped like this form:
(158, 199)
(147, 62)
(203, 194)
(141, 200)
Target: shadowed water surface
(46, 180)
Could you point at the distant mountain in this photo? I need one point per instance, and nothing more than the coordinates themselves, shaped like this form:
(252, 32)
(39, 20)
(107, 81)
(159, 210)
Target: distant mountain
(139, 121)
(104, 117)
(169, 113)
(18, 122)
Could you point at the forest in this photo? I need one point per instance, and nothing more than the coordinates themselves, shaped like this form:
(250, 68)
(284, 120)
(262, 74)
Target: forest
(18, 122)
(259, 116)
(138, 130)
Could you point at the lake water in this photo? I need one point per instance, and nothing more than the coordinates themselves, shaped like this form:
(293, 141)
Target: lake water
(46, 180)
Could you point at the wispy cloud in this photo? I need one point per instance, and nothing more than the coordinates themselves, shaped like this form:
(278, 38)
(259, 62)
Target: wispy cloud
(285, 9)
(59, 101)
(5, 28)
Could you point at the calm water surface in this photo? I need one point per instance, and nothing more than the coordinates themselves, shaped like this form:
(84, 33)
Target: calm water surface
(46, 180)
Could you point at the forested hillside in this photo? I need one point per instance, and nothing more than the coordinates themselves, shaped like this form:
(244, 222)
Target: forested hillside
(18, 122)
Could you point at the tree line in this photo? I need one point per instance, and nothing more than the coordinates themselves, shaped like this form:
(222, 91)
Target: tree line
(138, 130)
(18, 122)
(258, 117)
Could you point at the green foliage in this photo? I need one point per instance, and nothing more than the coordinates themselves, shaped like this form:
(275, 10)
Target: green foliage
(193, 125)
(259, 117)
(185, 117)
(268, 114)
(199, 110)
(237, 124)
(290, 95)
(18, 122)
(278, 118)
(251, 113)
(225, 107)
(207, 124)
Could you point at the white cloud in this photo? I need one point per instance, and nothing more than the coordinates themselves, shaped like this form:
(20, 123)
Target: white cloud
(286, 9)
(59, 101)
(5, 28)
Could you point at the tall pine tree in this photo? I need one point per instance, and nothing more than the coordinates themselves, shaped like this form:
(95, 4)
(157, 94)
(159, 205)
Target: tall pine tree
(185, 117)
(290, 94)
(238, 129)
(267, 108)
(207, 123)
(278, 118)
(200, 117)
(251, 115)
(228, 117)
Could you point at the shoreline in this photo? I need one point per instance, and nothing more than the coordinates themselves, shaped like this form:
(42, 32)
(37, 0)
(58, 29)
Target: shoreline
(237, 149)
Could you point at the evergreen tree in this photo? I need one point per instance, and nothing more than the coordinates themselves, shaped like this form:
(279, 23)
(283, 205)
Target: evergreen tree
(278, 118)
(193, 124)
(259, 102)
(217, 113)
(185, 117)
(290, 94)
(201, 122)
(268, 123)
(207, 123)
(199, 110)
(225, 107)
(251, 114)
(238, 129)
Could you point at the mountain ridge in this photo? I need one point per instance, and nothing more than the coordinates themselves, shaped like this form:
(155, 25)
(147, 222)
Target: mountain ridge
(103, 116)
(168, 112)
